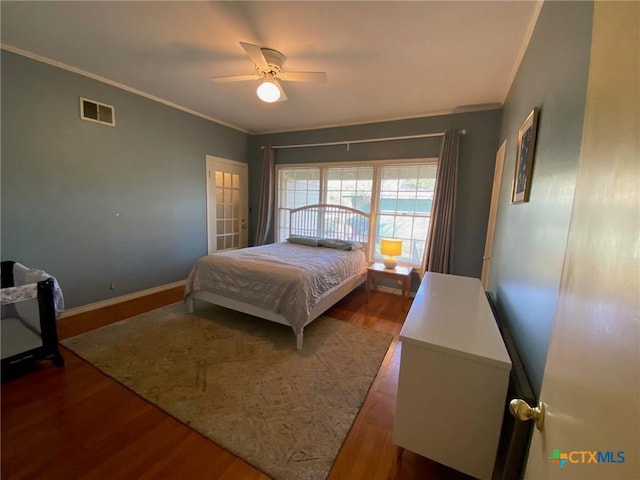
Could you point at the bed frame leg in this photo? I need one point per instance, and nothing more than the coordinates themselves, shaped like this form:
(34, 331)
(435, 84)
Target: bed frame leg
(299, 340)
(190, 302)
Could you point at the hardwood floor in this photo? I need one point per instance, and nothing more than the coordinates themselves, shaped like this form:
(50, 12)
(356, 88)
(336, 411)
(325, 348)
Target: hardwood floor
(76, 423)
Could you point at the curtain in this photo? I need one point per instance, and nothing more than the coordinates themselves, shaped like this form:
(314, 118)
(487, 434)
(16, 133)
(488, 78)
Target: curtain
(438, 254)
(267, 195)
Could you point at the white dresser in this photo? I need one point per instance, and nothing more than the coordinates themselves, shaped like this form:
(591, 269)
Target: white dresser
(454, 373)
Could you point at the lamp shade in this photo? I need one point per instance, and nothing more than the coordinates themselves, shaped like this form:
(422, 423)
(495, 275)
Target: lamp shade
(391, 247)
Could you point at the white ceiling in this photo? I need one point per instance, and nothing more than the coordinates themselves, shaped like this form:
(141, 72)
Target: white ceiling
(384, 60)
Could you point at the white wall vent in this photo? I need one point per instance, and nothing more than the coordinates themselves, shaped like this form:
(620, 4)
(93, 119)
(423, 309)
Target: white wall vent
(97, 112)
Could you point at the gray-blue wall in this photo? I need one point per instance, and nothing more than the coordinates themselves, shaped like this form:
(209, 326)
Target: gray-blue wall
(530, 238)
(94, 204)
(477, 158)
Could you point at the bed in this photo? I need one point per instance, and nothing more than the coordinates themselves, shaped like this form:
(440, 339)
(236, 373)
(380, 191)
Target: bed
(291, 282)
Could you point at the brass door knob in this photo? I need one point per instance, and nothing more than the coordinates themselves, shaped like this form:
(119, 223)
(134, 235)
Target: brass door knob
(522, 411)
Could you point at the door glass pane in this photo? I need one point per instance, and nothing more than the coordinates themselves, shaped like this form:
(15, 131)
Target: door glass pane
(228, 210)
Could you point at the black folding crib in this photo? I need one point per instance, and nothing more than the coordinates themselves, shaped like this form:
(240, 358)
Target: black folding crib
(31, 302)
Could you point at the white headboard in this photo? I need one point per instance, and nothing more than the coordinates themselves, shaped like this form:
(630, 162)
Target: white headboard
(330, 221)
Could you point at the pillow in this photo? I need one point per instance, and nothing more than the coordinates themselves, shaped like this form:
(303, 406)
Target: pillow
(340, 244)
(303, 240)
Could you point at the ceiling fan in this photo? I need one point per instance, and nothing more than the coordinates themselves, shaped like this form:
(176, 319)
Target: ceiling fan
(268, 64)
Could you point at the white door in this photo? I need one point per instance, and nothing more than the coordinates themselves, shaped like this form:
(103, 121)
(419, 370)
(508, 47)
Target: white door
(227, 200)
(591, 385)
(493, 212)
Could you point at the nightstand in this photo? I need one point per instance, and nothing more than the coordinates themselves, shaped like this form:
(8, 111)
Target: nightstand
(401, 274)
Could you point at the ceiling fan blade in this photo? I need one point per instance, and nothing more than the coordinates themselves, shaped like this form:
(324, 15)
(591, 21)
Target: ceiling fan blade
(283, 96)
(315, 77)
(255, 54)
(236, 78)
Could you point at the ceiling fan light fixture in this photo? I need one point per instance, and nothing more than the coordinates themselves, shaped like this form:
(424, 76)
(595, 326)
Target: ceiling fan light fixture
(268, 92)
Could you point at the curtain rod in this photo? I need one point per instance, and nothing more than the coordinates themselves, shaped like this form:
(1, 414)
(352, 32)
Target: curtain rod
(367, 140)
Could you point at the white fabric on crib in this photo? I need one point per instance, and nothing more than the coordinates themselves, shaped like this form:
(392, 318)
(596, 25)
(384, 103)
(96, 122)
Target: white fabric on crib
(24, 275)
(18, 294)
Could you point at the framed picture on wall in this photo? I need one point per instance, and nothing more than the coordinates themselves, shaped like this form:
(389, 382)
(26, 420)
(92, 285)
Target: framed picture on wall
(524, 158)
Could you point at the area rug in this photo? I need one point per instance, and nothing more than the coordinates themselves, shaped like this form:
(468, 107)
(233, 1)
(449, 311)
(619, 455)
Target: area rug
(240, 381)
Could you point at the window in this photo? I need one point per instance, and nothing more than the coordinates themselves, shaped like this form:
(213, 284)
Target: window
(406, 193)
(398, 194)
(350, 187)
(297, 187)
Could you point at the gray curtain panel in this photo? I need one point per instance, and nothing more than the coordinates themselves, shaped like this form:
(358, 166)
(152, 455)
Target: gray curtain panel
(267, 195)
(438, 255)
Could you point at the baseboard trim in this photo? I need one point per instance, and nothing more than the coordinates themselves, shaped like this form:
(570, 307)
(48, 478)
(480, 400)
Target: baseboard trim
(122, 298)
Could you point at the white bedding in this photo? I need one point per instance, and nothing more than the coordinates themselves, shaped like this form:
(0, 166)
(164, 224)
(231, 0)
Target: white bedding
(285, 278)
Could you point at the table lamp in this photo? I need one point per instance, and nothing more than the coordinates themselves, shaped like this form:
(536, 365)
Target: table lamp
(391, 248)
